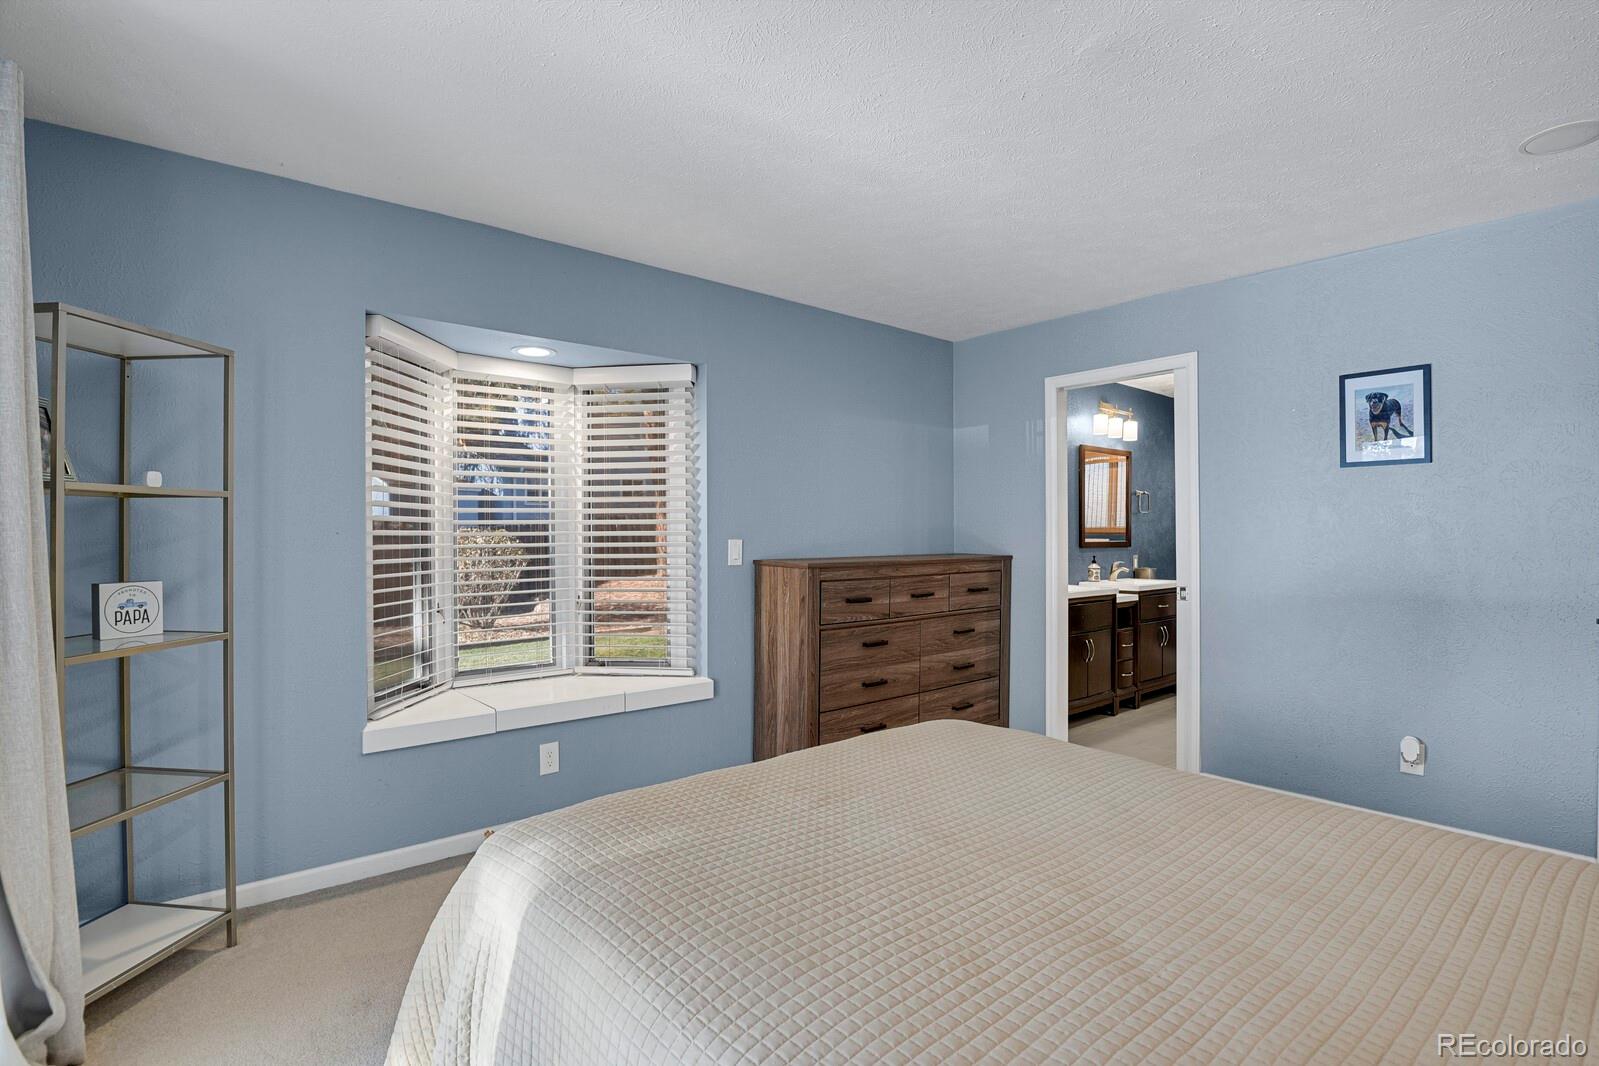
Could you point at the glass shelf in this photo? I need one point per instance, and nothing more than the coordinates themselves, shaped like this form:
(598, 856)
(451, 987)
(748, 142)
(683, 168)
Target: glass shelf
(85, 649)
(136, 936)
(117, 795)
(96, 488)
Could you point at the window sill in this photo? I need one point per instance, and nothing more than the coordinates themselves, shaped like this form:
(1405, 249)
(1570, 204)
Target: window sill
(483, 709)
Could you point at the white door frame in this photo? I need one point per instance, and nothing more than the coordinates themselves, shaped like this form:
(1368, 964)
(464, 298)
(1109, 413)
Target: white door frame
(1185, 436)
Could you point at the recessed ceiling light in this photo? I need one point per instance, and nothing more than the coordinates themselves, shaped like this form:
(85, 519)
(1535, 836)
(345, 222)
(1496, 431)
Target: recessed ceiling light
(1562, 138)
(534, 351)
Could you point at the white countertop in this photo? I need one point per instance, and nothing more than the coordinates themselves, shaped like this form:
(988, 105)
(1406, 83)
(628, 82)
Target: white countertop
(1126, 589)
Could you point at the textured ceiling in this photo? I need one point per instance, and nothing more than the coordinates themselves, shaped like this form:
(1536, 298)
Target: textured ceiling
(952, 167)
(1163, 384)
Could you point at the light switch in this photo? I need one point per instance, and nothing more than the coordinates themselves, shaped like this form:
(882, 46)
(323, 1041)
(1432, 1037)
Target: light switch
(735, 553)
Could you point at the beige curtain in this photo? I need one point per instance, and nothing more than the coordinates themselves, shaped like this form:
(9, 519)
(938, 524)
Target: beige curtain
(40, 901)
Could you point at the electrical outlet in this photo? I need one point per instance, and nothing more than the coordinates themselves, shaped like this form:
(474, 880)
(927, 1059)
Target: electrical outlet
(1412, 756)
(550, 758)
(735, 553)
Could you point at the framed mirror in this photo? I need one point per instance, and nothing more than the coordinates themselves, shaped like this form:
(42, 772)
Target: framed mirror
(1104, 497)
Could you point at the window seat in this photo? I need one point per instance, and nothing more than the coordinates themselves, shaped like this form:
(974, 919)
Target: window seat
(478, 710)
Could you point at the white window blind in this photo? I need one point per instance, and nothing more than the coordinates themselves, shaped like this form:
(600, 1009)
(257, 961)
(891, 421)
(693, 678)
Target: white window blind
(512, 492)
(527, 520)
(407, 444)
(638, 474)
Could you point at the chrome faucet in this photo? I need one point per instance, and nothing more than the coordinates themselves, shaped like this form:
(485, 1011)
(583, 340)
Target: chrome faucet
(1117, 570)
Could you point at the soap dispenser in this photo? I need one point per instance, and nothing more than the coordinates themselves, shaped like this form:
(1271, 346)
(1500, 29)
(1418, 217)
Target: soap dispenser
(1093, 568)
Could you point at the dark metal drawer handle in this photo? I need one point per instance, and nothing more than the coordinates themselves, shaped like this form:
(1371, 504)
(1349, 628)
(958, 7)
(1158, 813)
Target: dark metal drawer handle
(963, 632)
(874, 643)
(968, 705)
(962, 666)
(857, 599)
(874, 728)
(976, 588)
(874, 684)
(922, 595)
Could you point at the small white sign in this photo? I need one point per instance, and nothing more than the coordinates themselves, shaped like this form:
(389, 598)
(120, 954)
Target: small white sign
(127, 609)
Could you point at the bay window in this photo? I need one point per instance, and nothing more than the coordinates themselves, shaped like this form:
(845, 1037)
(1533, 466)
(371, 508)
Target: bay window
(525, 520)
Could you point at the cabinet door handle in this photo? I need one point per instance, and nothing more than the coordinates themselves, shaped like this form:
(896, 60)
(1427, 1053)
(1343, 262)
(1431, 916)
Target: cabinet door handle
(875, 727)
(968, 705)
(962, 666)
(1090, 645)
(1164, 636)
(963, 632)
(976, 588)
(922, 595)
(857, 599)
(874, 643)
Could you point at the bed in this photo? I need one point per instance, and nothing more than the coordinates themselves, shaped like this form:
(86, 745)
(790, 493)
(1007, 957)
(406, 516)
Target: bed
(951, 892)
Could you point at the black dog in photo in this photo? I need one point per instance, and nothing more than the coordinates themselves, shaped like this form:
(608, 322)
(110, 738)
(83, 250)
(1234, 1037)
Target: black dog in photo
(1387, 420)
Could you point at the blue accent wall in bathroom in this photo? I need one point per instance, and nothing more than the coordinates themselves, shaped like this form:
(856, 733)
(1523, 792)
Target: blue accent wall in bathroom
(826, 435)
(1154, 472)
(1344, 608)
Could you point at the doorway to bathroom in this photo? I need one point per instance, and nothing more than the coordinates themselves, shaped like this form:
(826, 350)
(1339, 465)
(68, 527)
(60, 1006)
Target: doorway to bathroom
(1122, 558)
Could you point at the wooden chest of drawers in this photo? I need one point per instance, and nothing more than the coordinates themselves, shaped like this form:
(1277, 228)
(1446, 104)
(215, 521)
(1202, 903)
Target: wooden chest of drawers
(852, 645)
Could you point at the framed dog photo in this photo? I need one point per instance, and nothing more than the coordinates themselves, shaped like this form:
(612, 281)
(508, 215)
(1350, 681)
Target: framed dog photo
(1386, 416)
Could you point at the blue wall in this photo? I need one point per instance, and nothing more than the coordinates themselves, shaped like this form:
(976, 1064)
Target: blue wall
(1345, 608)
(1342, 608)
(827, 435)
(1154, 471)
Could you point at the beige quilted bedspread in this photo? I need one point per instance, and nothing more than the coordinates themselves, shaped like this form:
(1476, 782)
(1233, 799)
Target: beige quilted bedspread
(956, 893)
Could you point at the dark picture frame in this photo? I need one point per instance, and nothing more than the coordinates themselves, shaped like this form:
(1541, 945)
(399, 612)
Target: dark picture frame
(1385, 416)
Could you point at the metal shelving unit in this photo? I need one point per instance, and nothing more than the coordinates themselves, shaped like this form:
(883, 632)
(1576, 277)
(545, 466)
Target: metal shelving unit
(140, 933)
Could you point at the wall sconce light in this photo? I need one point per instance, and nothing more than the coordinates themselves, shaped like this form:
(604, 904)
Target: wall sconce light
(1114, 422)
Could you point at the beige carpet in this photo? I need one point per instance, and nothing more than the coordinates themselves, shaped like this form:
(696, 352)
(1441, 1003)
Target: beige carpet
(1148, 733)
(315, 979)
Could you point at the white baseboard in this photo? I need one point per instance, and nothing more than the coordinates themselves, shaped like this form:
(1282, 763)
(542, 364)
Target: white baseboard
(283, 886)
(1407, 818)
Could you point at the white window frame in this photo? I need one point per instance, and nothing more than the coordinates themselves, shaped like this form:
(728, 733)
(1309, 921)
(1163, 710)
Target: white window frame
(567, 622)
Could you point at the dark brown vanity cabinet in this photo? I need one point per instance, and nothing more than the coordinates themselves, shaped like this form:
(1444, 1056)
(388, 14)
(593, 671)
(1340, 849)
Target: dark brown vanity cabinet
(1157, 638)
(1091, 653)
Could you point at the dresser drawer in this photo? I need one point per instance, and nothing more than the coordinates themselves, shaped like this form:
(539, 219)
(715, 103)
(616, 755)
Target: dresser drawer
(847, 686)
(971, 591)
(974, 702)
(1126, 643)
(960, 634)
(870, 646)
(854, 601)
(1152, 605)
(951, 654)
(1086, 616)
(921, 595)
(871, 718)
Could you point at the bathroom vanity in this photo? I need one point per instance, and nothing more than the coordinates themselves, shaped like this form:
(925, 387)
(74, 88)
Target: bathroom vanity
(1121, 643)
